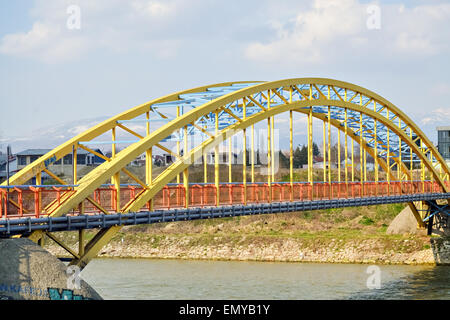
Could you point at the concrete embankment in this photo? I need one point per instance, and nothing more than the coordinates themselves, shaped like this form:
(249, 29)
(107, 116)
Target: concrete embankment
(28, 272)
(266, 249)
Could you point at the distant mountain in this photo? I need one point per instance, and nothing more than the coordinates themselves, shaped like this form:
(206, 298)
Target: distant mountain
(49, 137)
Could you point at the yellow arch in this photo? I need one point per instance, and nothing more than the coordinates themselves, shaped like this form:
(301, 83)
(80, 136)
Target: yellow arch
(99, 175)
(95, 178)
(104, 236)
(140, 147)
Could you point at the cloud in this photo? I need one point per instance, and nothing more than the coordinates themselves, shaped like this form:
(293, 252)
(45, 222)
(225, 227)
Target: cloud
(295, 32)
(437, 116)
(154, 9)
(118, 26)
(77, 130)
(39, 35)
(338, 29)
(309, 31)
(45, 41)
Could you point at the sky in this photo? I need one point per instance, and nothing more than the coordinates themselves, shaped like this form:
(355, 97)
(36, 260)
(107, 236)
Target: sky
(60, 74)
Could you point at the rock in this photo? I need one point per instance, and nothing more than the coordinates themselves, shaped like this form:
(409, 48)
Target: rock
(404, 222)
(28, 272)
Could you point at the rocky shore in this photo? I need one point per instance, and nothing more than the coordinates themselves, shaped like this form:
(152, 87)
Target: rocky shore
(286, 250)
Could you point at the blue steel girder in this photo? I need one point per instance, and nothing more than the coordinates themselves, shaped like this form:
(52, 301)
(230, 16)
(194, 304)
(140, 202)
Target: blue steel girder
(299, 92)
(193, 100)
(368, 124)
(353, 121)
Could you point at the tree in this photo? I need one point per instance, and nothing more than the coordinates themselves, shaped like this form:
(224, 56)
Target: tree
(300, 156)
(316, 151)
(284, 161)
(297, 156)
(304, 155)
(258, 160)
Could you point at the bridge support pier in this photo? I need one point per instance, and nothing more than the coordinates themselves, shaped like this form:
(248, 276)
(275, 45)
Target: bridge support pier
(438, 218)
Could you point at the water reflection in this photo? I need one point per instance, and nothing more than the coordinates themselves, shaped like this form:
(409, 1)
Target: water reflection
(432, 283)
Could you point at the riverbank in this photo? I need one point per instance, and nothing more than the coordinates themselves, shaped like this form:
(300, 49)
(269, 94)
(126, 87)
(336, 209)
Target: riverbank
(355, 235)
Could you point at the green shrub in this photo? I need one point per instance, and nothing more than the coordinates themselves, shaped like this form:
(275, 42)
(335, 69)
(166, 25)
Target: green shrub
(366, 221)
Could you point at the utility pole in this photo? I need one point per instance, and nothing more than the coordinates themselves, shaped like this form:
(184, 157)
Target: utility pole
(8, 155)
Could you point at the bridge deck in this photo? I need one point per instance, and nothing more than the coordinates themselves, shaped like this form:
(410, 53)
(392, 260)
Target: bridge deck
(24, 226)
(40, 201)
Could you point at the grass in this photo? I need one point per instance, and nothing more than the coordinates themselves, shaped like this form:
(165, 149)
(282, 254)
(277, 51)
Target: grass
(366, 221)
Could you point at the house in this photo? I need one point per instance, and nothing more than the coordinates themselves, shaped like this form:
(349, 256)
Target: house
(62, 166)
(319, 165)
(163, 160)
(139, 161)
(158, 160)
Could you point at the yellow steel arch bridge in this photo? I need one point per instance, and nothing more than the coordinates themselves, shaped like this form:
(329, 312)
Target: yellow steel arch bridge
(412, 170)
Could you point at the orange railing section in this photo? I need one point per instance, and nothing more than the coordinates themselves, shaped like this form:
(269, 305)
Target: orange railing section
(31, 201)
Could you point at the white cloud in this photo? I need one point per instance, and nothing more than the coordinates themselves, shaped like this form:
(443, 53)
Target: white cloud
(154, 9)
(119, 26)
(45, 41)
(39, 35)
(437, 116)
(324, 30)
(334, 29)
(407, 42)
(78, 129)
(419, 30)
(311, 31)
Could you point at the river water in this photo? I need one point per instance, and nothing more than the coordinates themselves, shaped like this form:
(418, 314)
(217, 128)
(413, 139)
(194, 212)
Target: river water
(185, 279)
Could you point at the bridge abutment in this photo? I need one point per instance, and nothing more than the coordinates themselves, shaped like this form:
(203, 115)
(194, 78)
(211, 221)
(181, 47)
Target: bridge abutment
(438, 224)
(441, 250)
(28, 272)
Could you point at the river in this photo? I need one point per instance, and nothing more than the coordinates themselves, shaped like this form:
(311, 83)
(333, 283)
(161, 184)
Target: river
(204, 280)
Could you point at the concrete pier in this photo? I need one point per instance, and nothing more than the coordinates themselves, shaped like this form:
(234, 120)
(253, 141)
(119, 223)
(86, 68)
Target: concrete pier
(441, 250)
(28, 272)
(406, 223)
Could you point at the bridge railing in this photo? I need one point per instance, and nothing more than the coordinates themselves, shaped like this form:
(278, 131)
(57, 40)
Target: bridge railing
(37, 201)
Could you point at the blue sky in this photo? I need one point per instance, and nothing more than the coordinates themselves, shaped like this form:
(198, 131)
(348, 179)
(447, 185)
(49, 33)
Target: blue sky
(129, 52)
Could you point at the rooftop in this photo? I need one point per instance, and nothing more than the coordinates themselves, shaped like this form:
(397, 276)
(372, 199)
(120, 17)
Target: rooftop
(40, 152)
(443, 128)
(33, 152)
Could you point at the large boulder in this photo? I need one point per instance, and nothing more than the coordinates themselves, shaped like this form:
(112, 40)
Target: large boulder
(404, 222)
(28, 272)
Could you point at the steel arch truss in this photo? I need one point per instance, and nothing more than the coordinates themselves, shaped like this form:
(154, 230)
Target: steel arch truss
(219, 111)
